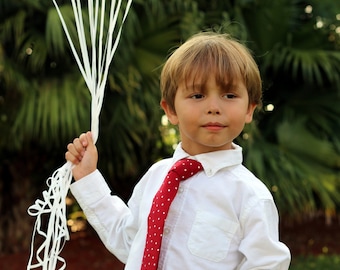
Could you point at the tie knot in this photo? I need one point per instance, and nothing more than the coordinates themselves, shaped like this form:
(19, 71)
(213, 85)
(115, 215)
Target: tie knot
(186, 168)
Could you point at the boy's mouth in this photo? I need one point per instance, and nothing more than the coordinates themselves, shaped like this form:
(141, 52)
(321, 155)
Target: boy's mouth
(214, 126)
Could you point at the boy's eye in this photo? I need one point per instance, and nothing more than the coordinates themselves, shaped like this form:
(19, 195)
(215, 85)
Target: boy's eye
(197, 96)
(230, 95)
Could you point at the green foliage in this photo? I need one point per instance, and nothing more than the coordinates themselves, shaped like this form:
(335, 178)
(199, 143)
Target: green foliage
(61, 109)
(56, 41)
(293, 147)
(321, 262)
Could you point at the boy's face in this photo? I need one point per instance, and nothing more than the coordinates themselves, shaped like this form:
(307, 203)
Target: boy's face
(209, 117)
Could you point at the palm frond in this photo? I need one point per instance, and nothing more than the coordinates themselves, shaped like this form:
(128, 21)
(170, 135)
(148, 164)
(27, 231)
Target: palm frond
(296, 138)
(316, 66)
(268, 23)
(55, 110)
(55, 36)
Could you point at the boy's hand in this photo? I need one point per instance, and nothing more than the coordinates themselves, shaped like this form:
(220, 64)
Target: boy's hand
(83, 154)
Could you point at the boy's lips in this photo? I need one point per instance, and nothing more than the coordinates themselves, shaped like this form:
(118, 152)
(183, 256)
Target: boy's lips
(214, 126)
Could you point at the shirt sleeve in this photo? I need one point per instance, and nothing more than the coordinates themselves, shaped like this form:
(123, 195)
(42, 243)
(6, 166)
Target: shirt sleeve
(108, 215)
(261, 246)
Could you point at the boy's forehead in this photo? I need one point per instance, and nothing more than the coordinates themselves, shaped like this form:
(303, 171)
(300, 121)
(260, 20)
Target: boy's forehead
(199, 71)
(200, 79)
(200, 82)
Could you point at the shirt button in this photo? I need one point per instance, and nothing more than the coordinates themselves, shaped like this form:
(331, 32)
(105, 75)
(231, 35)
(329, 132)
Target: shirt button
(180, 190)
(209, 172)
(166, 231)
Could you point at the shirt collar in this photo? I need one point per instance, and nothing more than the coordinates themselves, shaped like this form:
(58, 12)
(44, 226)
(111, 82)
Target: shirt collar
(212, 162)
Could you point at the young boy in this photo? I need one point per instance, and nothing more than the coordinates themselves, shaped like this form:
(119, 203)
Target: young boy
(222, 217)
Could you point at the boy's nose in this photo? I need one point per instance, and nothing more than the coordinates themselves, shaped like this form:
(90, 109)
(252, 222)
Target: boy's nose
(214, 107)
(214, 111)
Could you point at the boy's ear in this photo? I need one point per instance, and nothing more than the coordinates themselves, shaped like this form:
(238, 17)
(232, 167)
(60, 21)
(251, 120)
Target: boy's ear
(172, 116)
(250, 113)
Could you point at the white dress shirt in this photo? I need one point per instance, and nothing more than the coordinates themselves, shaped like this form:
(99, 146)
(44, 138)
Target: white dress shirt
(221, 218)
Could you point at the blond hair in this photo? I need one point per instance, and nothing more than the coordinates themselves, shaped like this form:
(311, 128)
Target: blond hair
(210, 53)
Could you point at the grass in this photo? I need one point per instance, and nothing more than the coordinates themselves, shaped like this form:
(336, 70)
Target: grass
(321, 262)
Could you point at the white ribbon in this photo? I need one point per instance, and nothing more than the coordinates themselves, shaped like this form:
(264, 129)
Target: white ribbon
(94, 67)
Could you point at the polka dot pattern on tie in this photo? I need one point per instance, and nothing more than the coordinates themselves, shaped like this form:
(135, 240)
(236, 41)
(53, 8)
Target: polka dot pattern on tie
(182, 170)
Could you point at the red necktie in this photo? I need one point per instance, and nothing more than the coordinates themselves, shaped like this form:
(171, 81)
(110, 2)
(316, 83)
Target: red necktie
(182, 170)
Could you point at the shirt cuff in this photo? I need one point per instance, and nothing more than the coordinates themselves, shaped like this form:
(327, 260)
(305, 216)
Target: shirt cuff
(90, 189)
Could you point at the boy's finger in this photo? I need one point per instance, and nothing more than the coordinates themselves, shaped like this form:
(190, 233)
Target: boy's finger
(78, 145)
(83, 140)
(89, 137)
(70, 157)
(73, 151)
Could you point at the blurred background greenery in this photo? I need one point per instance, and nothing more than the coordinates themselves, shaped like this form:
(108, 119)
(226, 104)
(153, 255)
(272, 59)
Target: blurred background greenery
(293, 145)
(321, 262)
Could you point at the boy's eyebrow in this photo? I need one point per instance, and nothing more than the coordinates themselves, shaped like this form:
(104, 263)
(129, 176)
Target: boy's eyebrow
(202, 86)
(193, 86)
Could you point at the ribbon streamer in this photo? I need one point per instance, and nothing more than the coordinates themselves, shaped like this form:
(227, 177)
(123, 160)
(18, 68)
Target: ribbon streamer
(94, 66)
